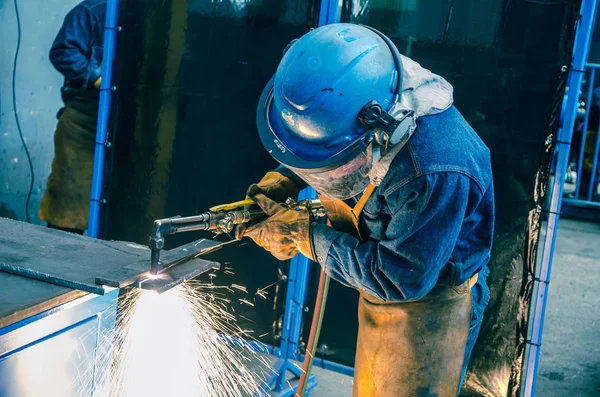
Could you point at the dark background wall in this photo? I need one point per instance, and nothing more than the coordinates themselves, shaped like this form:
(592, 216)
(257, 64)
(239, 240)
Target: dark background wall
(189, 77)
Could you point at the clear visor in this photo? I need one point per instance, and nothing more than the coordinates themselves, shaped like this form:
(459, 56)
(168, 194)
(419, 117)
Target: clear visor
(342, 182)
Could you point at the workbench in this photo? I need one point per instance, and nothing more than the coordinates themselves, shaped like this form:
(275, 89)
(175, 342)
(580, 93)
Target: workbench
(52, 337)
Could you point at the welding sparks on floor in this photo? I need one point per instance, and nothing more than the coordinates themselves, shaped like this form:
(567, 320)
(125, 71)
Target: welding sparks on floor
(180, 344)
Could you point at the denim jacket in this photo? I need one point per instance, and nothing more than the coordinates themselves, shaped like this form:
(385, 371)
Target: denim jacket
(430, 221)
(77, 48)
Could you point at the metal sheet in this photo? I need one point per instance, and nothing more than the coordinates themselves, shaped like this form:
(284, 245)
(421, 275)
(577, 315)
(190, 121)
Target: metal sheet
(21, 297)
(73, 261)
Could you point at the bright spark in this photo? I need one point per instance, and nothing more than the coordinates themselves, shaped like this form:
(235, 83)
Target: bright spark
(246, 302)
(180, 343)
(239, 287)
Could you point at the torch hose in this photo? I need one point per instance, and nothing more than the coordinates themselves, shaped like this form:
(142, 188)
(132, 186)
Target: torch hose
(313, 336)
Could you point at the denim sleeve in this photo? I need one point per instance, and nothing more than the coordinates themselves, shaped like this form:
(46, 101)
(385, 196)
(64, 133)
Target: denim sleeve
(426, 220)
(72, 48)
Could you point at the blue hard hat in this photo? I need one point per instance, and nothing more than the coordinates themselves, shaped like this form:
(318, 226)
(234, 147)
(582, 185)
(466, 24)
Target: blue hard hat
(314, 113)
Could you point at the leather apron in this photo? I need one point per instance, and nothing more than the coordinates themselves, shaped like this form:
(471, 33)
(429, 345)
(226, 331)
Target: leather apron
(406, 348)
(66, 200)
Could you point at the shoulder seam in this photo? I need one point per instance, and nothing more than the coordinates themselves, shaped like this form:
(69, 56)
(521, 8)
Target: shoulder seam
(393, 188)
(413, 157)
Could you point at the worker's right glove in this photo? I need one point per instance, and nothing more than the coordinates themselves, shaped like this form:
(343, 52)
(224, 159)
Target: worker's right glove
(285, 233)
(275, 186)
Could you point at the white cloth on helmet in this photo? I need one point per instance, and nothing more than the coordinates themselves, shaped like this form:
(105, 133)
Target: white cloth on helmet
(423, 92)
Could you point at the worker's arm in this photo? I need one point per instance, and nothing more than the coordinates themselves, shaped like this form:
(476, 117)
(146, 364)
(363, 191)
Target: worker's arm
(426, 218)
(72, 50)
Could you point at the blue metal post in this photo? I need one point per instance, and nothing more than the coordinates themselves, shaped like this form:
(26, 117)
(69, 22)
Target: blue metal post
(586, 121)
(595, 158)
(329, 12)
(542, 281)
(294, 305)
(106, 90)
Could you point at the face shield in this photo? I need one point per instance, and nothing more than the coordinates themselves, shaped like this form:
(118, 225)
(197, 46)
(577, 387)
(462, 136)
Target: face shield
(342, 182)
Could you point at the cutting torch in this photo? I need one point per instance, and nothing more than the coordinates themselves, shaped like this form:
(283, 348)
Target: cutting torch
(219, 219)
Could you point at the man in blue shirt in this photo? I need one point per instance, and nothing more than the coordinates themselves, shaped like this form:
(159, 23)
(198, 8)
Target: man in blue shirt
(77, 54)
(408, 190)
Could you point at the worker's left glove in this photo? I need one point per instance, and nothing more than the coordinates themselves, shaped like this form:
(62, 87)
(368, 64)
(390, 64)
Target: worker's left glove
(275, 186)
(285, 233)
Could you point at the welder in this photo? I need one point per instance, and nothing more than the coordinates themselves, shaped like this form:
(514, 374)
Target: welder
(407, 185)
(77, 54)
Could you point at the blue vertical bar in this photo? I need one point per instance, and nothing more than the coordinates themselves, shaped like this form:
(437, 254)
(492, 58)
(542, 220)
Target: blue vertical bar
(329, 12)
(541, 284)
(110, 38)
(295, 301)
(586, 121)
(596, 148)
(302, 264)
(289, 321)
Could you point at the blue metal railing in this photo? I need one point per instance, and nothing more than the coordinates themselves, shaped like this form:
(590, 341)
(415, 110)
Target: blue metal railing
(587, 180)
(543, 271)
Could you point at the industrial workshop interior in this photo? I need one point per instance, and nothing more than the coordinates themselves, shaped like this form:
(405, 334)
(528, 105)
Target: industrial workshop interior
(317, 198)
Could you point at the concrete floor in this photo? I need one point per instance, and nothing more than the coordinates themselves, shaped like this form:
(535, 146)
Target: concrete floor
(570, 355)
(570, 358)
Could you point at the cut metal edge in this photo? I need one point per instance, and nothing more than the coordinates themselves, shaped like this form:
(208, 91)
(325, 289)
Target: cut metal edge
(188, 270)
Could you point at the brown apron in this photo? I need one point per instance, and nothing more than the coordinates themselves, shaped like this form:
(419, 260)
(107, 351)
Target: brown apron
(66, 200)
(406, 348)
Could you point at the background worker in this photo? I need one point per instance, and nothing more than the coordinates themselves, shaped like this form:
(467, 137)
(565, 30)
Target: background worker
(77, 54)
(407, 185)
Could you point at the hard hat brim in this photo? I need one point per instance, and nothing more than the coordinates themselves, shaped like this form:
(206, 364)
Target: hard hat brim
(272, 141)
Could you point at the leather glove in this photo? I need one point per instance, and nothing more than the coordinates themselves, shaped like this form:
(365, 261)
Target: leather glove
(284, 233)
(275, 186)
(97, 83)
